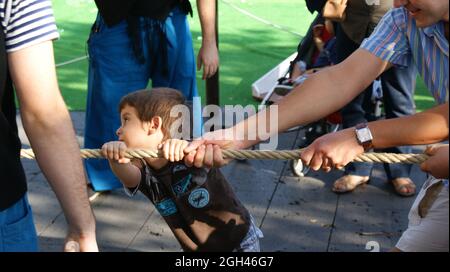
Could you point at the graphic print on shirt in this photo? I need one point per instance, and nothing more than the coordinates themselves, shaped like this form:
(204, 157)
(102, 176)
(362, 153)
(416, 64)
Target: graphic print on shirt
(199, 198)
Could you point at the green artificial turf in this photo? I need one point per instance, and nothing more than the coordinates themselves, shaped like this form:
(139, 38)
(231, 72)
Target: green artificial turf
(248, 47)
(73, 18)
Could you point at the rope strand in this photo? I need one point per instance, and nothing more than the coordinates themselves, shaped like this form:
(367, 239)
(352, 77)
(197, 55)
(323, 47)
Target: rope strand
(253, 154)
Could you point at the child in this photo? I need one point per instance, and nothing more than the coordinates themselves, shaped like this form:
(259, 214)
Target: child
(198, 204)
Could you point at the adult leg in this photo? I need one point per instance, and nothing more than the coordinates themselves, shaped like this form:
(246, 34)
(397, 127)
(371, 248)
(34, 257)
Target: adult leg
(114, 71)
(181, 69)
(352, 114)
(398, 94)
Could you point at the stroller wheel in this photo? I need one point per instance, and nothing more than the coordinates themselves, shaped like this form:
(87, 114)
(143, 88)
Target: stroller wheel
(298, 169)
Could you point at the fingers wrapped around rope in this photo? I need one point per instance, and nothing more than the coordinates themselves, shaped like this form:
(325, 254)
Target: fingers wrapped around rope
(327, 165)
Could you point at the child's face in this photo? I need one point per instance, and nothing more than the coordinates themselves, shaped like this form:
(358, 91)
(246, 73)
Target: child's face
(137, 134)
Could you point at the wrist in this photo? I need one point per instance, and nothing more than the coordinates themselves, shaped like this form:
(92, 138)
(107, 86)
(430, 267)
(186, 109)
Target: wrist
(364, 136)
(82, 228)
(208, 40)
(237, 136)
(242, 144)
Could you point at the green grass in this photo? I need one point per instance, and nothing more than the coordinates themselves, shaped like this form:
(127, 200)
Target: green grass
(73, 18)
(248, 48)
(422, 96)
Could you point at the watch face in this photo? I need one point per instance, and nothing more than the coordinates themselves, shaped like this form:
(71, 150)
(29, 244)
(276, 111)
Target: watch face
(364, 135)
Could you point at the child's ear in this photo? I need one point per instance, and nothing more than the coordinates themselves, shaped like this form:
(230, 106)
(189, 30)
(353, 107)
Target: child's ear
(155, 124)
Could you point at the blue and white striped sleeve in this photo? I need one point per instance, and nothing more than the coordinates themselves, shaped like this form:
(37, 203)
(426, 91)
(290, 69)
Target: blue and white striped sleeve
(28, 22)
(389, 41)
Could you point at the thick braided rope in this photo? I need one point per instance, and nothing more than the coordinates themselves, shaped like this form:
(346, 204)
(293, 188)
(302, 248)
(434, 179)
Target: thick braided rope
(255, 154)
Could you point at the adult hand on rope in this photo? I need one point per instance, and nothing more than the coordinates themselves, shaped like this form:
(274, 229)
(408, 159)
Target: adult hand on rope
(437, 164)
(334, 150)
(207, 151)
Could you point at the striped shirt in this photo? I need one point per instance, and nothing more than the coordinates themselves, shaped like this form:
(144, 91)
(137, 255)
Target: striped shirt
(27, 22)
(398, 40)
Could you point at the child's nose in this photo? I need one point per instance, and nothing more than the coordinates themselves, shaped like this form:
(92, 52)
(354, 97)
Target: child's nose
(118, 131)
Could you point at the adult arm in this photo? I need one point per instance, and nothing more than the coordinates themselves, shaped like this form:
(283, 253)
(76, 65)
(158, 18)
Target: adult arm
(208, 56)
(48, 126)
(340, 148)
(323, 93)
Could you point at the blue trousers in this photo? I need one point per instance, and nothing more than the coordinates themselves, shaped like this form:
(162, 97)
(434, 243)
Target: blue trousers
(114, 71)
(17, 231)
(398, 86)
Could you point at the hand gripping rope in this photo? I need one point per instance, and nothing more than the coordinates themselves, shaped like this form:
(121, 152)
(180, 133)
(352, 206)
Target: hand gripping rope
(254, 154)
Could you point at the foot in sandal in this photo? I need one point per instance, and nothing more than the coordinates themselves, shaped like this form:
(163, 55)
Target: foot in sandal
(404, 186)
(348, 183)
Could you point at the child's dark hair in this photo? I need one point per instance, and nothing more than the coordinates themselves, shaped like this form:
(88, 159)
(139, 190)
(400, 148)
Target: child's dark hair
(154, 102)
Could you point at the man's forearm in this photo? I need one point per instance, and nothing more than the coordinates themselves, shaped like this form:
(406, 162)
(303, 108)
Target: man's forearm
(207, 15)
(53, 140)
(427, 127)
(48, 127)
(323, 93)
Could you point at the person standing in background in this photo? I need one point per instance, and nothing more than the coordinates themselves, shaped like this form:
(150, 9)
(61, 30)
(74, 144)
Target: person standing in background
(397, 84)
(131, 43)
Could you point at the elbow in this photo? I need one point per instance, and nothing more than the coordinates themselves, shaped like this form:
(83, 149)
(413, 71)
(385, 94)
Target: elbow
(48, 117)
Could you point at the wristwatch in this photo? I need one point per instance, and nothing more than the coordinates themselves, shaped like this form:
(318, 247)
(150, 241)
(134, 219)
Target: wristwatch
(364, 136)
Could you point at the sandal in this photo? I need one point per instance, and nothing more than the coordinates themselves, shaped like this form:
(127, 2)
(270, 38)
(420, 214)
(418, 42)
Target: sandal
(348, 183)
(404, 186)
